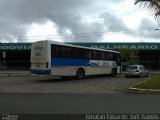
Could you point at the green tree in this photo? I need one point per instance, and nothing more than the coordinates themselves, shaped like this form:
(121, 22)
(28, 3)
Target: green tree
(128, 57)
(133, 57)
(152, 5)
(124, 54)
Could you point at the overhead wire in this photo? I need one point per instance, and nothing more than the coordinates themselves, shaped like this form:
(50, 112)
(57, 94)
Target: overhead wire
(83, 34)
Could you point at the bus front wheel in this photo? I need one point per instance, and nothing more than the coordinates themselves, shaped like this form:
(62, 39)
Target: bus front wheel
(80, 74)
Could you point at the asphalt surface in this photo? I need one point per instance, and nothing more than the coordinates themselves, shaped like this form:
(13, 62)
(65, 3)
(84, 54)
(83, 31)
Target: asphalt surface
(39, 104)
(48, 98)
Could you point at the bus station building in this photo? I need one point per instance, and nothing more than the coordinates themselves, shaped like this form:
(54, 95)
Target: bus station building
(16, 56)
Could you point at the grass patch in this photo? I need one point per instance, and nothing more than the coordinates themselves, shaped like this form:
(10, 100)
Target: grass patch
(153, 83)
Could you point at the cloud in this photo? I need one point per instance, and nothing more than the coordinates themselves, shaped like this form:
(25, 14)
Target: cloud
(150, 31)
(75, 20)
(66, 14)
(113, 23)
(19, 14)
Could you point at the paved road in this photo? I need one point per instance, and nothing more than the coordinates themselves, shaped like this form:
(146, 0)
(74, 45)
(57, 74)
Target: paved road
(78, 103)
(46, 95)
(49, 84)
(52, 106)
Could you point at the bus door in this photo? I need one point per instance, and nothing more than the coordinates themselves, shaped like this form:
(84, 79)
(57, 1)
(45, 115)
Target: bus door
(118, 61)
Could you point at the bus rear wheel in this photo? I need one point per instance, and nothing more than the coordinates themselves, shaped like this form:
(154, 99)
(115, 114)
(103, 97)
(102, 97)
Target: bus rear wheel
(80, 74)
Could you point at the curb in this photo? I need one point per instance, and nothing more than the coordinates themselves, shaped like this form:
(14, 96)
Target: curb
(143, 91)
(132, 89)
(10, 74)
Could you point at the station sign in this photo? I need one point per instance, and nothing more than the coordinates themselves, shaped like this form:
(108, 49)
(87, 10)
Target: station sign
(138, 47)
(15, 46)
(116, 46)
(104, 45)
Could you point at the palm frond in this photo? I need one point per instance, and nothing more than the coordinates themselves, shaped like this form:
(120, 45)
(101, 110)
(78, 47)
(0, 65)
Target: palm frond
(152, 5)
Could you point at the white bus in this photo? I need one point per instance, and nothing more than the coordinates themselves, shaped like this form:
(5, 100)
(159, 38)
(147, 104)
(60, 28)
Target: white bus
(60, 59)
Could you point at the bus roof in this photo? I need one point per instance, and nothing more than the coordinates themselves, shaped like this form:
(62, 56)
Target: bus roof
(77, 46)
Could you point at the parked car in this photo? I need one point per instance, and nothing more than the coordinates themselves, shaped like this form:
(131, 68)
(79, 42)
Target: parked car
(136, 70)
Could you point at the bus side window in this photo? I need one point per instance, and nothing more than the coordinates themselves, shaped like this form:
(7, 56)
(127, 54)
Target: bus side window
(102, 55)
(106, 56)
(115, 56)
(77, 53)
(73, 52)
(97, 55)
(88, 54)
(83, 53)
(93, 55)
(68, 51)
(55, 51)
(63, 52)
(110, 56)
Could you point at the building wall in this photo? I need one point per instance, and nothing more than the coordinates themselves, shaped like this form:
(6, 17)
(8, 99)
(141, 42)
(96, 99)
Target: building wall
(17, 56)
(150, 59)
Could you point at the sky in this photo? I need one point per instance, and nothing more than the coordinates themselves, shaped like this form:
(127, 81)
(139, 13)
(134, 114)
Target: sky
(76, 21)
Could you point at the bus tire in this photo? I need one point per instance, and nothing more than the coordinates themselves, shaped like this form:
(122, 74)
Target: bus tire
(80, 73)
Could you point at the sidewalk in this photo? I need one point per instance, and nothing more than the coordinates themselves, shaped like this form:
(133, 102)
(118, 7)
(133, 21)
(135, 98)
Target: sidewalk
(15, 72)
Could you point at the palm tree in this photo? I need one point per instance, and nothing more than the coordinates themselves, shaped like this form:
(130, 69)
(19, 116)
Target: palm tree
(152, 5)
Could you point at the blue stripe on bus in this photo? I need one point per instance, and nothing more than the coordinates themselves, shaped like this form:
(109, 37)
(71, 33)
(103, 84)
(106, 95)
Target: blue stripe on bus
(69, 62)
(41, 72)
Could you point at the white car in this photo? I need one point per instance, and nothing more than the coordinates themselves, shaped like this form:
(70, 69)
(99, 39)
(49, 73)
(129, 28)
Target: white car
(136, 70)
